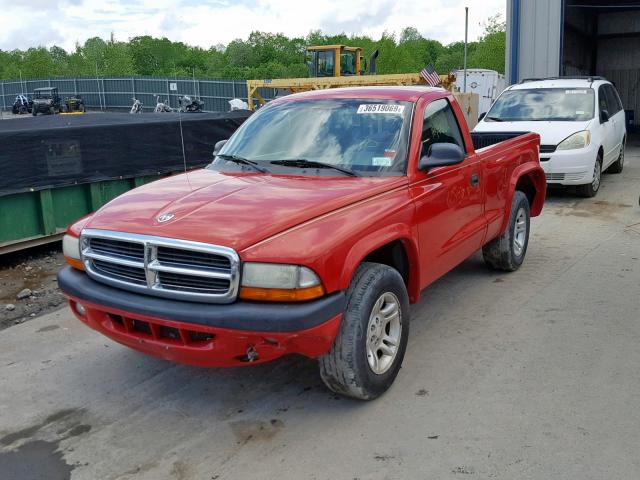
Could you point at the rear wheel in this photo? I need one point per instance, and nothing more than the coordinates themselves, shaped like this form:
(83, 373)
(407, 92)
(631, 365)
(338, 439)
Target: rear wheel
(368, 351)
(507, 252)
(591, 189)
(618, 165)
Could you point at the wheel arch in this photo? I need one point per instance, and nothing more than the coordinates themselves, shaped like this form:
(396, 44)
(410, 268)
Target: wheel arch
(393, 246)
(529, 179)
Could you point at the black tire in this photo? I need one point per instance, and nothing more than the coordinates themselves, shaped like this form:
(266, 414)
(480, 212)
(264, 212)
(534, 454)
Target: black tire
(345, 369)
(618, 165)
(503, 253)
(590, 190)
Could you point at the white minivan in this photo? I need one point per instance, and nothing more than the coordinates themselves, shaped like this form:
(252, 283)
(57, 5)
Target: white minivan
(580, 121)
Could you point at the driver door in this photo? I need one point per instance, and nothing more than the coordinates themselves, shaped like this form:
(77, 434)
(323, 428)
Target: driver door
(449, 199)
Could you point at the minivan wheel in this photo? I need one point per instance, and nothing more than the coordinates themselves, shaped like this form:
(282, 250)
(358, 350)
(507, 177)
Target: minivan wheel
(367, 353)
(590, 190)
(618, 165)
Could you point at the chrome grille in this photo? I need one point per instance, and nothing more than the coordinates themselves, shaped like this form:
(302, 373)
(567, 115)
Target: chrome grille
(160, 266)
(123, 272)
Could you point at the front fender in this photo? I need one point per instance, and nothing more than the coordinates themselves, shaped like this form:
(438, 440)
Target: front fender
(375, 240)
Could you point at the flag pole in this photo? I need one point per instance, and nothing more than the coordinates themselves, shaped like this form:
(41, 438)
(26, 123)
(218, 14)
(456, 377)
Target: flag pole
(466, 38)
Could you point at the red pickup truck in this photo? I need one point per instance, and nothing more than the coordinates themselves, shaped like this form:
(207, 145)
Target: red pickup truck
(317, 224)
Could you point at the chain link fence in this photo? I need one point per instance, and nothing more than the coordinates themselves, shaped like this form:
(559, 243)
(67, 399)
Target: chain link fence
(116, 93)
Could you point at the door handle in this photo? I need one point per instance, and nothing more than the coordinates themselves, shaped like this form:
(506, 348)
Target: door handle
(475, 180)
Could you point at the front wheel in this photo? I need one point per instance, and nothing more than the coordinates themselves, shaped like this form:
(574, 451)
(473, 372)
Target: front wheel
(618, 165)
(507, 252)
(590, 190)
(368, 351)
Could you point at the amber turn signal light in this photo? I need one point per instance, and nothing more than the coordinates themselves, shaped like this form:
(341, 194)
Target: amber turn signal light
(281, 294)
(75, 263)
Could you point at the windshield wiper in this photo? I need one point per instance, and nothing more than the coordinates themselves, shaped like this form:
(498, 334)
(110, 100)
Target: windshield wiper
(494, 119)
(242, 161)
(303, 162)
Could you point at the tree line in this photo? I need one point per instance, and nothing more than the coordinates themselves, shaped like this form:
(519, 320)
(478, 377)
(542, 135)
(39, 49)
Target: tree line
(262, 55)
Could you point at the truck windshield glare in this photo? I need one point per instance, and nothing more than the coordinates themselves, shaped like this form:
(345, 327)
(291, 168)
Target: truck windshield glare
(544, 104)
(365, 136)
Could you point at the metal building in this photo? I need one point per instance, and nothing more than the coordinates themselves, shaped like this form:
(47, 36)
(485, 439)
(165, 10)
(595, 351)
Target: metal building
(547, 38)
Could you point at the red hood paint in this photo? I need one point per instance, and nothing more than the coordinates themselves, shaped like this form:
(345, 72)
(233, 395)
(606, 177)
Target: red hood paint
(234, 210)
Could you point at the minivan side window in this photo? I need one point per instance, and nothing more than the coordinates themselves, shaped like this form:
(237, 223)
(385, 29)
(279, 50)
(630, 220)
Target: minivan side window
(613, 100)
(440, 125)
(602, 100)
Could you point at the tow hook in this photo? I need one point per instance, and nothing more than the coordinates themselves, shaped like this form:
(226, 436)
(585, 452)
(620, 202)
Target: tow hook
(252, 354)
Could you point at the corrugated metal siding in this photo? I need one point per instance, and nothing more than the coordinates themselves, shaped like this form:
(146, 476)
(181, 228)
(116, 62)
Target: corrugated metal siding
(619, 58)
(539, 54)
(539, 38)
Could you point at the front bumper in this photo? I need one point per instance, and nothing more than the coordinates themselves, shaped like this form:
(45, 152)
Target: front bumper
(569, 167)
(204, 334)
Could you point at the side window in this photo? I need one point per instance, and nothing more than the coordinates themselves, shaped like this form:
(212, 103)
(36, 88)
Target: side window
(602, 100)
(615, 105)
(440, 125)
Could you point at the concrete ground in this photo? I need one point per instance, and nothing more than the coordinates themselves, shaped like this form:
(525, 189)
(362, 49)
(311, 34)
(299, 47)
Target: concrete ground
(530, 375)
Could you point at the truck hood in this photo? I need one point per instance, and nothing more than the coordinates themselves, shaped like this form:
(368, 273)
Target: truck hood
(233, 210)
(551, 133)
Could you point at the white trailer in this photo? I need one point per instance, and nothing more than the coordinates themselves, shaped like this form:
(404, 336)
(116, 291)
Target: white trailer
(488, 84)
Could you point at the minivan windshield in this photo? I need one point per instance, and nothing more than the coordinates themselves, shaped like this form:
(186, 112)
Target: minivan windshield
(543, 104)
(364, 137)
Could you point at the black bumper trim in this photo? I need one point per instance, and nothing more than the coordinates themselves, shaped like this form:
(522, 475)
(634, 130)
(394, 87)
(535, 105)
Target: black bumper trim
(249, 316)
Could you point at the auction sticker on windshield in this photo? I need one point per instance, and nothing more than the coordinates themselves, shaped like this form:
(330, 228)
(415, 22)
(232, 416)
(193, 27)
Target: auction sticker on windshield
(381, 108)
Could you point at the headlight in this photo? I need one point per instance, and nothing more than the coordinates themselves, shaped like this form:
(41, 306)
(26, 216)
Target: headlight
(279, 283)
(577, 140)
(71, 251)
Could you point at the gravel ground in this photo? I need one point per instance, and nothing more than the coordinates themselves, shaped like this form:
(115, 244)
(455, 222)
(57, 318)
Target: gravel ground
(28, 286)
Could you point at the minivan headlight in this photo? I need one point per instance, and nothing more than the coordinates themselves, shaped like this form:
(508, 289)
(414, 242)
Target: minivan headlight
(275, 282)
(577, 140)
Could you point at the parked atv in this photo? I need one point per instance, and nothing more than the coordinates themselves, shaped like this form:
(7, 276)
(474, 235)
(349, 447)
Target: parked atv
(22, 104)
(187, 104)
(162, 107)
(46, 100)
(74, 103)
(136, 107)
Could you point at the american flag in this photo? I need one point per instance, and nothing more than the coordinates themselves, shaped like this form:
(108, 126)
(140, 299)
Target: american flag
(430, 75)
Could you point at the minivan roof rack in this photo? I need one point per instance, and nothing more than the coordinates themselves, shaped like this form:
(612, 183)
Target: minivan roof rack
(589, 78)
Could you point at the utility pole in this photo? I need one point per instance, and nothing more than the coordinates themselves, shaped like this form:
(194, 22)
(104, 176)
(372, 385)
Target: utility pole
(466, 38)
(98, 85)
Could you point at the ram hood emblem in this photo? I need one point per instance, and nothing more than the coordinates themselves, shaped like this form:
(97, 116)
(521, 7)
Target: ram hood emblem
(164, 217)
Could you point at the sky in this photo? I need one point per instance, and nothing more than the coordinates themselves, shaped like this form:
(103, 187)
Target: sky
(206, 23)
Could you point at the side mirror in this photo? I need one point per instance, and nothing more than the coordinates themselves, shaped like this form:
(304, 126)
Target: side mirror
(218, 146)
(604, 116)
(481, 116)
(441, 155)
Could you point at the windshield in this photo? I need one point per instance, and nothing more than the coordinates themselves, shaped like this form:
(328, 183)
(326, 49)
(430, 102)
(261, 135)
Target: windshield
(543, 104)
(368, 137)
